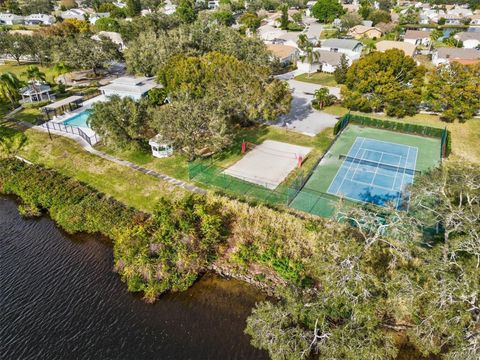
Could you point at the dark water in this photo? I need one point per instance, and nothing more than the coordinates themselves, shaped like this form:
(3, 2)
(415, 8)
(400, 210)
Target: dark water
(59, 299)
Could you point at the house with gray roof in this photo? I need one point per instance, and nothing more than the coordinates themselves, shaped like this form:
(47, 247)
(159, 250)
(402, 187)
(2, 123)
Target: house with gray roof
(351, 48)
(327, 62)
(10, 19)
(39, 19)
(470, 40)
(446, 55)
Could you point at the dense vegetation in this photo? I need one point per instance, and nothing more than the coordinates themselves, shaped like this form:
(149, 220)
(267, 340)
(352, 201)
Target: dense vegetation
(350, 288)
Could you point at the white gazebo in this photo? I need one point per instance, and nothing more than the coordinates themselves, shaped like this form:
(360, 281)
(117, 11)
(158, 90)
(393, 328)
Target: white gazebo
(36, 91)
(160, 147)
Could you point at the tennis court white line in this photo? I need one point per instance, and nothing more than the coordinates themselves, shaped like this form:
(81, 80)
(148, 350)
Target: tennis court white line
(341, 166)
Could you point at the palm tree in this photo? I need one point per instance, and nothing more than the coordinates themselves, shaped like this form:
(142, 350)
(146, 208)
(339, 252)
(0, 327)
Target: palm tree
(303, 42)
(323, 98)
(311, 56)
(33, 73)
(34, 76)
(9, 86)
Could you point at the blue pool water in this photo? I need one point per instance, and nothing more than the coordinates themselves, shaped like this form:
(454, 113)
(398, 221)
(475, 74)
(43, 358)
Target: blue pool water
(79, 120)
(377, 172)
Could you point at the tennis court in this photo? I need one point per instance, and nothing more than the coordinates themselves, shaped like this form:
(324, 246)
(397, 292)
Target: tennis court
(375, 171)
(371, 170)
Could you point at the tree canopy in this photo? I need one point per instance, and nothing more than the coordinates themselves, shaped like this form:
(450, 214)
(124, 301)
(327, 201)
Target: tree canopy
(387, 81)
(326, 11)
(454, 91)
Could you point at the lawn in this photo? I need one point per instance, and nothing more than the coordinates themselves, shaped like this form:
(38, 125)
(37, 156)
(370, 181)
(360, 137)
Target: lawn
(128, 186)
(319, 78)
(19, 69)
(464, 135)
(177, 165)
(28, 115)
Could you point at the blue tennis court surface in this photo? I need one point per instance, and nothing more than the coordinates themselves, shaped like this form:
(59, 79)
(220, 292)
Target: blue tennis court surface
(375, 171)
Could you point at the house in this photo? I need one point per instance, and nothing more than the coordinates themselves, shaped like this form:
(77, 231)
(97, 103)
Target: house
(361, 31)
(453, 19)
(36, 91)
(213, 4)
(94, 17)
(129, 86)
(39, 19)
(470, 40)
(328, 61)
(286, 54)
(351, 48)
(407, 48)
(79, 14)
(445, 55)
(475, 19)
(119, 4)
(417, 37)
(10, 19)
(114, 37)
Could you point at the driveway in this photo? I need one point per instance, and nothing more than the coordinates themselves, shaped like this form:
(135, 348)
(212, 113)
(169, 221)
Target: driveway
(302, 117)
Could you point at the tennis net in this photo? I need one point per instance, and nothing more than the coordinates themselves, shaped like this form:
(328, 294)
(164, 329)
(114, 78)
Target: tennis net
(380, 165)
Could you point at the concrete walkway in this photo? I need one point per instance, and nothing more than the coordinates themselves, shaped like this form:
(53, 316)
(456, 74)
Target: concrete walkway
(86, 146)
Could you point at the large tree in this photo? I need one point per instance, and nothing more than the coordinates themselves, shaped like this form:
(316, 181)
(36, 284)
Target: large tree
(244, 91)
(85, 53)
(454, 91)
(121, 122)
(326, 11)
(191, 126)
(387, 81)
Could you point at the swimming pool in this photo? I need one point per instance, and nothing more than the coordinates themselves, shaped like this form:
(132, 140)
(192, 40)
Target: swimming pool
(79, 120)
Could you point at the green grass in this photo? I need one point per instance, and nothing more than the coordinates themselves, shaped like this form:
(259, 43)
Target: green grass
(464, 135)
(211, 176)
(126, 185)
(28, 115)
(314, 198)
(20, 69)
(319, 78)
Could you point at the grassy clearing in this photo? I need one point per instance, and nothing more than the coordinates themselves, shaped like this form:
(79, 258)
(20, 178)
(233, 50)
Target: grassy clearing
(20, 69)
(177, 165)
(28, 115)
(126, 185)
(319, 78)
(464, 135)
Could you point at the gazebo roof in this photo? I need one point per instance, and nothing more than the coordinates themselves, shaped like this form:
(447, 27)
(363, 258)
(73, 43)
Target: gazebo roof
(63, 102)
(33, 89)
(158, 140)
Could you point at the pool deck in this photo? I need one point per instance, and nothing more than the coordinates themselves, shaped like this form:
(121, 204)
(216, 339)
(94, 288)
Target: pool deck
(85, 106)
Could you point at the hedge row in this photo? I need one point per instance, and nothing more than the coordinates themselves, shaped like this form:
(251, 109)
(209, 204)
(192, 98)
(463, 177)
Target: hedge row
(396, 126)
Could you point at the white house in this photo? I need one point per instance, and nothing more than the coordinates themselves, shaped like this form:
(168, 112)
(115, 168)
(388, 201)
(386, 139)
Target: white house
(39, 19)
(129, 86)
(169, 8)
(445, 55)
(351, 48)
(119, 4)
(10, 19)
(471, 40)
(94, 17)
(79, 14)
(417, 37)
(327, 62)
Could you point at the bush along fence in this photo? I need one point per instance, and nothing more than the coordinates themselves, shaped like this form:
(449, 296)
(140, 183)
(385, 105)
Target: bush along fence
(398, 126)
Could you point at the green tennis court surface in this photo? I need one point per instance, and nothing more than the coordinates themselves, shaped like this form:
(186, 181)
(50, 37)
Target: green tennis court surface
(314, 197)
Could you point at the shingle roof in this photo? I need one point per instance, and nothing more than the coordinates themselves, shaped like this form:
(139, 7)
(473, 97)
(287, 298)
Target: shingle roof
(407, 48)
(417, 34)
(281, 51)
(466, 35)
(458, 53)
(341, 43)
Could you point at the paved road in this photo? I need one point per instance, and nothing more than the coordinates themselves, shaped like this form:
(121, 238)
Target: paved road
(302, 117)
